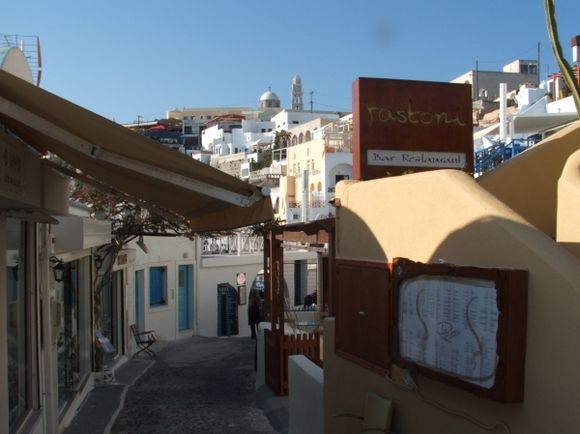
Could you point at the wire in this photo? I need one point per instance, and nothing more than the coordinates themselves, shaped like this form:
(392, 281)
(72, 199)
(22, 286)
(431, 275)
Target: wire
(414, 387)
(461, 414)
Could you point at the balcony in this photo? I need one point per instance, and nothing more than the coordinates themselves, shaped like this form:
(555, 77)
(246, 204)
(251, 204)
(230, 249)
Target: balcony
(232, 244)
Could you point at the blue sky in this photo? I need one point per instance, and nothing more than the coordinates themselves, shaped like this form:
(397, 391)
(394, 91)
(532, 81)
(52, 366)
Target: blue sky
(126, 58)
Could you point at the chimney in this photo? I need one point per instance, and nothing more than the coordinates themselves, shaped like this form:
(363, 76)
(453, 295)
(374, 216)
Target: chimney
(576, 49)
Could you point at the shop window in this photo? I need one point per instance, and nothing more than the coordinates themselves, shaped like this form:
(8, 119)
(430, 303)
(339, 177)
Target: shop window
(17, 323)
(157, 286)
(112, 310)
(139, 304)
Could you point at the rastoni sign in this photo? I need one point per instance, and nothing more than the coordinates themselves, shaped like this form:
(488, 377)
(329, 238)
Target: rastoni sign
(403, 126)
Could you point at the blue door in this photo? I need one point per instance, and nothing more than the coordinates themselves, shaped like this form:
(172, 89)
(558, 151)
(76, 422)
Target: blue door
(185, 275)
(139, 301)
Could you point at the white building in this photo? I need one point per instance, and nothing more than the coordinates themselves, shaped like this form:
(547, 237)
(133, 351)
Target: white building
(46, 285)
(174, 287)
(485, 84)
(232, 134)
(194, 121)
(50, 305)
(287, 119)
(313, 170)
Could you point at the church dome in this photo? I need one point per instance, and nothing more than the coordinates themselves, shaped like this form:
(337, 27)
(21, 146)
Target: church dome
(269, 100)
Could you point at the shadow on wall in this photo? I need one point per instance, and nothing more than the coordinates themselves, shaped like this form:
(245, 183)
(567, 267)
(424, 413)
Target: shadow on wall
(553, 323)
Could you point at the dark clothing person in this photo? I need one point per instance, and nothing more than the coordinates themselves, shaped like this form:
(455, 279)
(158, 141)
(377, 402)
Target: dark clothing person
(254, 312)
(311, 299)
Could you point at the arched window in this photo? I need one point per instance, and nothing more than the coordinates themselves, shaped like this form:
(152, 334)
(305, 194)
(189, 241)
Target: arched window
(307, 137)
(294, 140)
(319, 186)
(312, 187)
(301, 138)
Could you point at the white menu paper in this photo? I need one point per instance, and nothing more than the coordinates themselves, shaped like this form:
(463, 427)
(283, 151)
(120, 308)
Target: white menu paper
(450, 324)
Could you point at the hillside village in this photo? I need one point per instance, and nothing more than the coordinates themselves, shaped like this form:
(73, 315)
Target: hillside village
(278, 205)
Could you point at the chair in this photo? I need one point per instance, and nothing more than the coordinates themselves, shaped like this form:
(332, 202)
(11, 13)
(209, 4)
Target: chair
(144, 340)
(377, 416)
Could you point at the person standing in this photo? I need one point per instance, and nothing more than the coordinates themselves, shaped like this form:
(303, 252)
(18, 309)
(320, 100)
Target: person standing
(254, 312)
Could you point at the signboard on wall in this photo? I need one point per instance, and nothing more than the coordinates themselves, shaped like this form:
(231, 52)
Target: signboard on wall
(404, 126)
(227, 303)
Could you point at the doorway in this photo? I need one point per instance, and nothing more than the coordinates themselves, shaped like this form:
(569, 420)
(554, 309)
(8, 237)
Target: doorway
(185, 294)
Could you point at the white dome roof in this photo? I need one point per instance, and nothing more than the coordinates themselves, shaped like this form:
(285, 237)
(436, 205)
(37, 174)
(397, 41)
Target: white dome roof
(269, 96)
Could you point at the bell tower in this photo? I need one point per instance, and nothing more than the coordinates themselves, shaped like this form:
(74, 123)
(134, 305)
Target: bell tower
(297, 93)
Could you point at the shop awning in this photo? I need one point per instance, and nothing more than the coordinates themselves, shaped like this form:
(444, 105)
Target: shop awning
(117, 158)
(531, 123)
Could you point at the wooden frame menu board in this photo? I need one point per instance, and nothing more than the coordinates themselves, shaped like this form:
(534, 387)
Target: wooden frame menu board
(464, 326)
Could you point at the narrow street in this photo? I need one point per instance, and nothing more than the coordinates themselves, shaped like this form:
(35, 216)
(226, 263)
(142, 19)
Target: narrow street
(194, 385)
(201, 385)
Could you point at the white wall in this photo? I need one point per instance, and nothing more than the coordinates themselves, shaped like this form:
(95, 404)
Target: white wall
(286, 118)
(214, 270)
(163, 251)
(305, 396)
(564, 105)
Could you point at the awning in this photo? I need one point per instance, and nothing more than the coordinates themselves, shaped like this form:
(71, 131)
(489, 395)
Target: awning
(115, 157)
(536, 123)
(531, 123)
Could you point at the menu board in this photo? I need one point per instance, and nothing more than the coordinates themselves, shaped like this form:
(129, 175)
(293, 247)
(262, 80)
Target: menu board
(462, 325)
(450, 324)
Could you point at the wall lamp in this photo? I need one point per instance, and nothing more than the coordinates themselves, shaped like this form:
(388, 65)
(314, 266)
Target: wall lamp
(98, 261)
(57, 266)
(141, 244)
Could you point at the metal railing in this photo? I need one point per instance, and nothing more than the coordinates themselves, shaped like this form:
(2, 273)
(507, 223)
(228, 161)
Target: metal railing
(30, 47)
(232, 244)
(489, 158)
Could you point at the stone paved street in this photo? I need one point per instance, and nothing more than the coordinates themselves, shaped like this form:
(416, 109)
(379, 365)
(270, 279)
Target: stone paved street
(201, 385)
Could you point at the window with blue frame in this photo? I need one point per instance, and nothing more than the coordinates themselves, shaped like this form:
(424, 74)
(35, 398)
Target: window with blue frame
(157, 286)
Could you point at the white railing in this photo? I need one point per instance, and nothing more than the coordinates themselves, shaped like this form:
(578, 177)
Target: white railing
(233, 244)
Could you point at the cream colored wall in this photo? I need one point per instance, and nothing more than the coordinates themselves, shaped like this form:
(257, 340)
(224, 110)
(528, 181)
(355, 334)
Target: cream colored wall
(446, 214)
(15, 63)
(529, 183)
(302, 154)
(568, 230)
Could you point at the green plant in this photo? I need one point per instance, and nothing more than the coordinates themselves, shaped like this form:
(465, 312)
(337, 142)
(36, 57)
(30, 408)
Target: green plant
(564, 66)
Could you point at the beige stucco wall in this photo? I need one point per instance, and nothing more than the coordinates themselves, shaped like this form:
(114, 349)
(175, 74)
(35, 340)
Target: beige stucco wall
(446, 214)
(14, 61)
(568, 230)
(529, 183)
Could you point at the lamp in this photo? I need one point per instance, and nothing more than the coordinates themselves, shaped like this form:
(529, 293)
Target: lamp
(57, 266)
(142, 245)
(98, 261)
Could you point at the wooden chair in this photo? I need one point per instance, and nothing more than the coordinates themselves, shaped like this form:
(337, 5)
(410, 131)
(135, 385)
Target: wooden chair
(144, 340)
(377, 414)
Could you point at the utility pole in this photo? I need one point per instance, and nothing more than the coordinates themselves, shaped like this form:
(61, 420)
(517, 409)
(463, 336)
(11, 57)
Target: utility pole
(311, 92)
(476, 80)
(538, 64)
(139, 119)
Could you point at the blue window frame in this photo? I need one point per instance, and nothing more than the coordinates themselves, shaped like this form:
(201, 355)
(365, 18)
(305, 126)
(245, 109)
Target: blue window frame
(157, 286)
